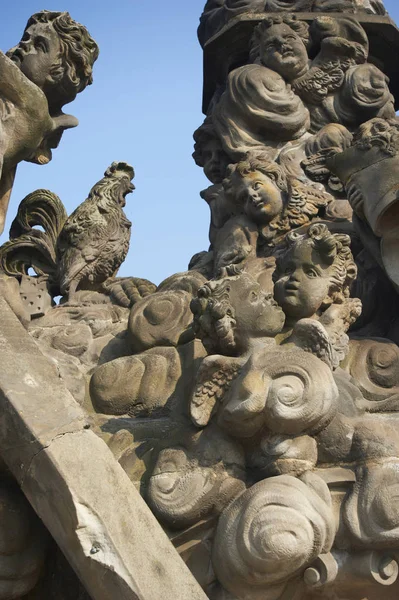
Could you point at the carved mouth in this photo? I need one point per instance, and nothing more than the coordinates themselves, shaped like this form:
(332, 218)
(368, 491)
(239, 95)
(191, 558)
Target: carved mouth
(258, 204)
(291, 290)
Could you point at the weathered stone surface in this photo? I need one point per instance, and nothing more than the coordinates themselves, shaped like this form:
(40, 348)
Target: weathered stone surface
(251, 401)
(74, 483)
(26, 426)
(231, 48)
(46, 70)
(117, 553)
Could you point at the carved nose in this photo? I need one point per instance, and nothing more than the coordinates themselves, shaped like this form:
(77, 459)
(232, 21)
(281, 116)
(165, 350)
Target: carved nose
(24, 46)
(293, 281)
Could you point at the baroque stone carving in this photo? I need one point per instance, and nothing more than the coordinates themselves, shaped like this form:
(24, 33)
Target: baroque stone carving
(253, 399)
(218, 13)
(279, 525)
(47, 69)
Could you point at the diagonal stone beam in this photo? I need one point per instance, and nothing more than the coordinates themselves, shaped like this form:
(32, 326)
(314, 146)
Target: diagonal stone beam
(76, 486)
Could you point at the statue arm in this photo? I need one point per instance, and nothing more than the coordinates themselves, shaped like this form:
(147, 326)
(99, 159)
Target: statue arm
(15, 87)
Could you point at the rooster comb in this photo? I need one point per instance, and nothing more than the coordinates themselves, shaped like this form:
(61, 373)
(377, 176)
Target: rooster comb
(120, 168)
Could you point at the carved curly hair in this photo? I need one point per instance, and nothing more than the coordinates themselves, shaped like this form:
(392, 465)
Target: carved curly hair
(79, 51)
(252, 163)
(334, 249)
(214, 317)
(299, 27)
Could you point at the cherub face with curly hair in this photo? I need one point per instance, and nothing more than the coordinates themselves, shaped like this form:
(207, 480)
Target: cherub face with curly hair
(283, 51)
(38, 52)
(259, 196)
(303, 282)
(256, 313)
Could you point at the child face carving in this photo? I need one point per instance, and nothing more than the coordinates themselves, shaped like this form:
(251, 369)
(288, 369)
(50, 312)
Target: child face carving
(283, 51)
(260, 197)
(304, 282)
(37, 52)
(257, 314)
(214, 160)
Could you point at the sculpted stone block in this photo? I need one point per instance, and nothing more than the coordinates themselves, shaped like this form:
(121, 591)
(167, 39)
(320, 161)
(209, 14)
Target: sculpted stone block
(218, 13)
(185, 487)
(369, 175)
(248, 400)
(270, 533)
(230, 47)
(47, 448)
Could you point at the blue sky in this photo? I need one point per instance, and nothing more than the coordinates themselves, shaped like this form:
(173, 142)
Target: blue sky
(143, 107)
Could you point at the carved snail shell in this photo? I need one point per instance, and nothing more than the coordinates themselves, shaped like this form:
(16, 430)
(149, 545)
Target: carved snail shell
(271, 532)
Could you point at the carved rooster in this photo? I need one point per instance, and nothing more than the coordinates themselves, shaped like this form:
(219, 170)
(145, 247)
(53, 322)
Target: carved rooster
(94, 240)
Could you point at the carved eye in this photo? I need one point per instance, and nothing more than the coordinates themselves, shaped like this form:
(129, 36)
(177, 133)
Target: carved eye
(41, 44)
(254, 296)
(288, 271)
(311, 273)
(257, 185)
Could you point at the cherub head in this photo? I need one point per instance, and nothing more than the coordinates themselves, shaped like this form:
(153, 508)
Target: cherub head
(315, 271)
(229, 313)
(208, 152)
(257, 187)
(57, 54)
(280, 43)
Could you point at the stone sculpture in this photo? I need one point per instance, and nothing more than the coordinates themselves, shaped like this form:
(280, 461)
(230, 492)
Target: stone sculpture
(52, 63)
(218, 13)
(253, 399)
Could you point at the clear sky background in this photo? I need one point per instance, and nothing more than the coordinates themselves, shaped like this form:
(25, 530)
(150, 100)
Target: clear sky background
(143, 108)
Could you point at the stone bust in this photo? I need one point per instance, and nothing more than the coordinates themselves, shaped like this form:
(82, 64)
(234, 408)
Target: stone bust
(51, 64)
(280, 43)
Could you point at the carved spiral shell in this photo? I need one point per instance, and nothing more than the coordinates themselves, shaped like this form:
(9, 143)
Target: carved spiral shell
(271, 532)
(372, 510)
(160, 320)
